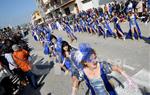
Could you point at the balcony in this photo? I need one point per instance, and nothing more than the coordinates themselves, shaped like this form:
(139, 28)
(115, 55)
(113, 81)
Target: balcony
(59, 3)
(66, 2)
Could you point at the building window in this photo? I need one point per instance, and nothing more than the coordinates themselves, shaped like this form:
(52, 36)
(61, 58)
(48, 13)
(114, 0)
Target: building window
(86, 1)
(67, 11)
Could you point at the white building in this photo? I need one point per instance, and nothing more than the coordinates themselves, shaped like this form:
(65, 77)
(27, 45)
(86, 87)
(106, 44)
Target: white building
(56, 8)
(37, 19)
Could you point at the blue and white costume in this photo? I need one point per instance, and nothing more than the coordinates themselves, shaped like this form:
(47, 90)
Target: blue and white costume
(117, 27)
(133, 24)
(108, 31)
(100, 29)
(99, 85)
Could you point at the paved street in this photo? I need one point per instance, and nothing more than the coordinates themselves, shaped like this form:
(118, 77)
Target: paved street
(132, 56)
(18, 16)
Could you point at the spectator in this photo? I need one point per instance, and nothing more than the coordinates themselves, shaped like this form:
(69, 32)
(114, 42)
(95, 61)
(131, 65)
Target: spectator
(21, 58)
(140, 8)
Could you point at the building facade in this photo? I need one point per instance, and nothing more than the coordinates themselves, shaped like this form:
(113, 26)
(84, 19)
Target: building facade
(37, 18)
(57, 8)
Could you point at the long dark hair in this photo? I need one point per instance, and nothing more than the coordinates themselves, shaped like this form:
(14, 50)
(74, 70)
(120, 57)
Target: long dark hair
(53, 37)
(64, 43)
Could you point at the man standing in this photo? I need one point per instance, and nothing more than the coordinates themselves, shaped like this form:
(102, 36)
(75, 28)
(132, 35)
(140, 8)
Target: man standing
(20, 56)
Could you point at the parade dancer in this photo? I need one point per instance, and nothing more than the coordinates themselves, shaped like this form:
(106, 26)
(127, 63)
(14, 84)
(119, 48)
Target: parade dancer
(81, 24)
(59, 26)
(99, 27)
(67, 61)
(49, 26)
(46, 48)
(68, 30)
(59, 56)
(84, 24)
(93, 25)
(78, 26)
(34, 34)
(89, 24)
(96, 73)
(117, 29)
(47, 43)
(75, 28)
(41, 35)
(107, 29)
(134, 31)
(55, 25)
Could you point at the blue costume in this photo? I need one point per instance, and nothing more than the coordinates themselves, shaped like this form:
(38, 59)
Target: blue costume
(48, 37)
(101, 86)
(78, 27)
(71, 64)
(75, 27)
(93, 26)
(89, 22)
(108, 31)
(46, 48)
(58, 49)
(116, 24)
(133, 23)
(34, 35)
(82, 24)
(68, 28)
(100, 29)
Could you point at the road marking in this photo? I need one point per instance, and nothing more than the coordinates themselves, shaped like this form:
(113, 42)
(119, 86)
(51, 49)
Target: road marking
(128, 67)
(142, 78)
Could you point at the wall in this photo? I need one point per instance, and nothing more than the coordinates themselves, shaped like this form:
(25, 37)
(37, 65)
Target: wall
(71, 7)
(95, 3)
(88, 5)
(45, 1)
(84, 6)
(101, 2)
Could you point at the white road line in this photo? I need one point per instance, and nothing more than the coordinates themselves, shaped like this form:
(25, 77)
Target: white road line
(128, 67)
(142, 78)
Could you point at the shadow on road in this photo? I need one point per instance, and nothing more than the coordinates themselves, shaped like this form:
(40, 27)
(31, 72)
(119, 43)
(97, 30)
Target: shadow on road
(49, 94)
(144, 91)
(46, 65)
(147, 40)
(41, 71)
(30, 91)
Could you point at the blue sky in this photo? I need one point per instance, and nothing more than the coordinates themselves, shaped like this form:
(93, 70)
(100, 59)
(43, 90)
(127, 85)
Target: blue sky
(15, 12)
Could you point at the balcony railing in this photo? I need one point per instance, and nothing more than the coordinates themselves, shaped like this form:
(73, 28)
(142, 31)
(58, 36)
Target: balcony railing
(65, 1)
(56, 5)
